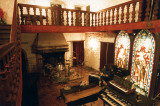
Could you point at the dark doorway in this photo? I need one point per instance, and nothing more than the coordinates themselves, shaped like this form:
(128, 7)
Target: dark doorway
(106, 54)
(78, 53)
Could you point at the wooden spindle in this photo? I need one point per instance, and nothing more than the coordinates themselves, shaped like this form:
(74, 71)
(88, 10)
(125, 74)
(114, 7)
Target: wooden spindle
(41, 21)
(104, 18)
(140, 10)
(85, 19)
(22, 18)
(92, 19)
(133, 12)
(67, 18)
(147, 14)
(117, 16)
(46, 16)
(101, 19)
(28, 16)
(52, 18)
(109, 16)
(71, 18)
(35, 17)
(155, 11)
(122, 15)
(62, 17)
(88, 18)
(95, 19)
(57, 16)
(80, 21)
(127, 14)
(113, 16)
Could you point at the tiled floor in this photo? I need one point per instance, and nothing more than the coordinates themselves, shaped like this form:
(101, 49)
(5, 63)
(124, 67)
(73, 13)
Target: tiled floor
(48, 91)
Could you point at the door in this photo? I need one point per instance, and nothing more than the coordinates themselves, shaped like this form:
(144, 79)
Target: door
(78, 53)
(106, 54)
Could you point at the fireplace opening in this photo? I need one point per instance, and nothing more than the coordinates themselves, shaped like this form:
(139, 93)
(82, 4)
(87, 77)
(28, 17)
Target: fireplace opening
(53, 58)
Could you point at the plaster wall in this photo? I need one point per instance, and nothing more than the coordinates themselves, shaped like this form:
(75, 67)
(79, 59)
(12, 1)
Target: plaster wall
(91, 54)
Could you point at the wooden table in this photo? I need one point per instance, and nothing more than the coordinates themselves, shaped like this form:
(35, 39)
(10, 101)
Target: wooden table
(81, 95)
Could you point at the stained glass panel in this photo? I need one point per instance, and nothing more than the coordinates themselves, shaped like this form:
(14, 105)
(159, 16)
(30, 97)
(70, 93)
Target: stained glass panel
(142, 60)
(122, 48)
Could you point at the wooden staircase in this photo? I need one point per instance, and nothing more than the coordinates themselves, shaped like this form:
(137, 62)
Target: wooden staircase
(5, 34)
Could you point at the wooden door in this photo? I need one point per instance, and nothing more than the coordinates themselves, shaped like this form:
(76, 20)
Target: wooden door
(78, 53)
(106, 54)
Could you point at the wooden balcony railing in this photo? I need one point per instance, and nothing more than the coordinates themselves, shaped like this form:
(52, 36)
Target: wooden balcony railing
(11, 66)
(129, 12)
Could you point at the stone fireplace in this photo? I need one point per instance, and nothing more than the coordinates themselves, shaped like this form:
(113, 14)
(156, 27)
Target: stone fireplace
(51, 47)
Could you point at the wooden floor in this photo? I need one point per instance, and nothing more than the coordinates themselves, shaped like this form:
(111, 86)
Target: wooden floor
(48, 91)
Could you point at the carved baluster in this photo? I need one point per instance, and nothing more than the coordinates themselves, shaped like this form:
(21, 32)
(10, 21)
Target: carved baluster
(28, 16)
(67, 18)
(57, 17)
(80, 18)
(113, 16)
(46, 16)
(122, 15)
(62, 18)
(140, 10)
(101, 18)
(96, 19)
(41, 21)
(147, 10)
(88, 18)
(104, 18)
(92, 19)
(52, 18)
(22, 18)
(155, 11)
(85, 19)
(34, 18)
(109, 16)
(127, 14)
(133, 12)
(71, 18)
(117, 16)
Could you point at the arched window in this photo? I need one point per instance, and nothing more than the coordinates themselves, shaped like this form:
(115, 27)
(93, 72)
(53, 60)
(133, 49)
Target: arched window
(122, 48)
(142, 60)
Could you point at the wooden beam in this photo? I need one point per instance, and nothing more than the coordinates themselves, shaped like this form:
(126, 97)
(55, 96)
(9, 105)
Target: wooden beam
(154, 25)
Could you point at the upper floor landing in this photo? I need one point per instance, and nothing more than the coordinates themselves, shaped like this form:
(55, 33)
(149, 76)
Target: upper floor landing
(129, 16)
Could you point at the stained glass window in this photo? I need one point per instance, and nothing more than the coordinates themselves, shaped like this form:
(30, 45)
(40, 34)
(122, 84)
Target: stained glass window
(142, 60)
(122, 48)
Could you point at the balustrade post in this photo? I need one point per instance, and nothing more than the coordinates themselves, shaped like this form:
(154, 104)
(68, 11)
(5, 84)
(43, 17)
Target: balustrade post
(22, 18)
(62, 18)
(92, 19)
(80, 18)
(67, 18)
(127, 14)
(155, 10)
(57, 17)
(71, 18)
(117, 16)
(96, 19)
(34, 18)
(85, 19)
(133, 12)
(147, 14)
(41, 21)
(77, 23)
(104, 18)
(109, 16)
(52, 18)
(28, 16)
(113, 16)
(122, 15)
(46, 16)
(99, 19)
(140, 11)
(88, 18)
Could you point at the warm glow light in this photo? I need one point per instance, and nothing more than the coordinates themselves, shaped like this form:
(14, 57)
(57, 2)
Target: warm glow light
(93, 43)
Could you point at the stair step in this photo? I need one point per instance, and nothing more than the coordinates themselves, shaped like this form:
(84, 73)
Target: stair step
(4, 41)
(5, 36)
(5, 27)
(5, 31)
